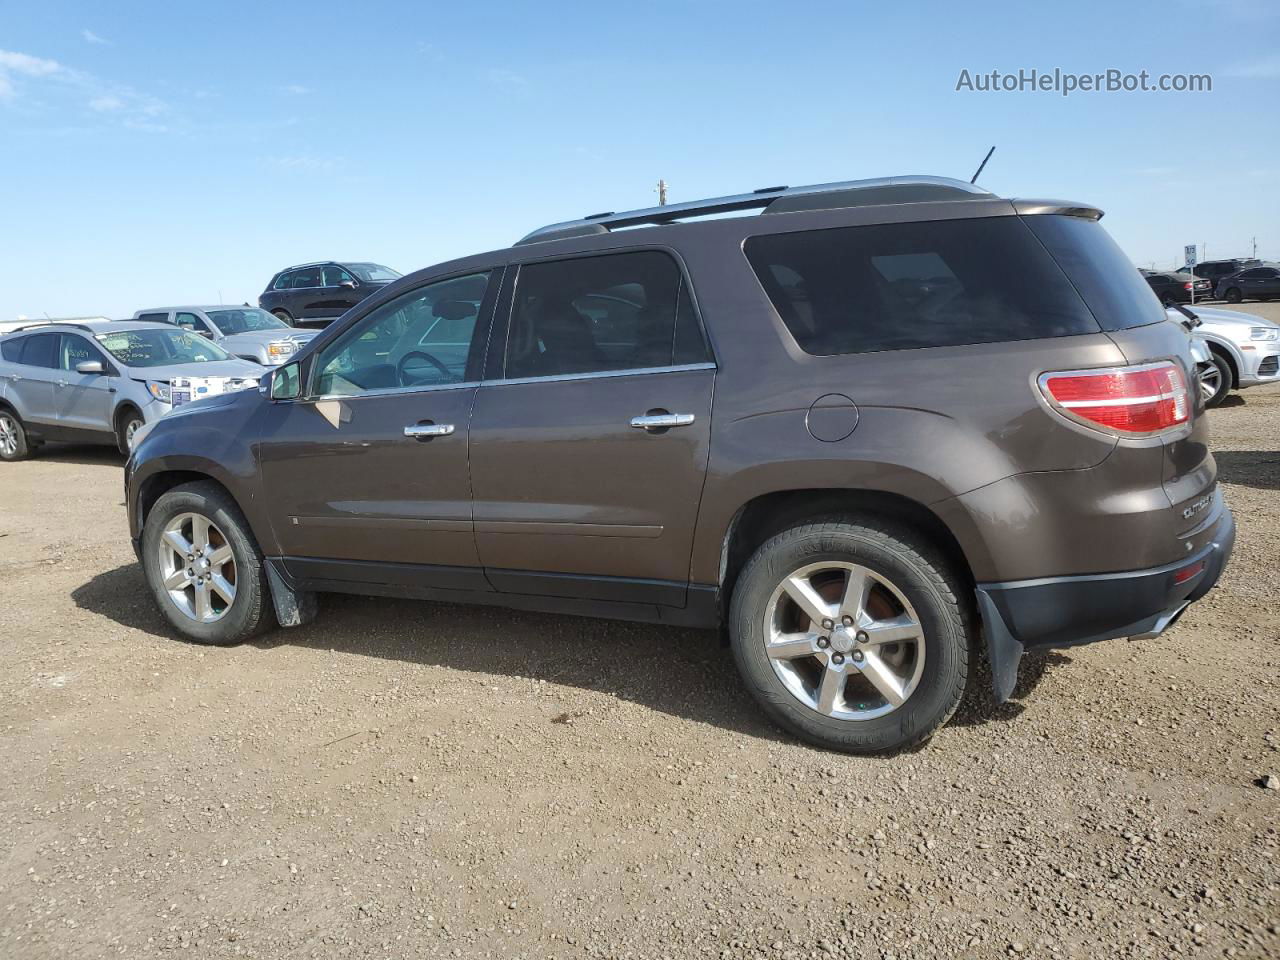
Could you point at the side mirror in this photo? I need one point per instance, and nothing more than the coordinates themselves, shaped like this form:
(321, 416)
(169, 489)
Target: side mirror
(347, 284)
(286, 383)
(89, 366)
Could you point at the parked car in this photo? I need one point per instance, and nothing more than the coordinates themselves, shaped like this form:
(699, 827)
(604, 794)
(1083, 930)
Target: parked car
(312, 294)
(1245, 349)
(1177, 287)
(1255, 283)
(783, 424)
(99, 381)
(1215, 270)
(245, 332)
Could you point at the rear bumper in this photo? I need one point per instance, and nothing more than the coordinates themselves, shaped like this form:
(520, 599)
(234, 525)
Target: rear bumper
(1068, 611)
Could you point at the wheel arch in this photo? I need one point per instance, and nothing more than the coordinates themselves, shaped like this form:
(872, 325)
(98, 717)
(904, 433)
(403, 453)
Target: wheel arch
(118, 414)
(767, 514)
(1220, 349)
(151, 489)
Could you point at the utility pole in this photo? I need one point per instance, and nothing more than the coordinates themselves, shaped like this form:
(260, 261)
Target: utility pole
(1255, 248)
(662, 193)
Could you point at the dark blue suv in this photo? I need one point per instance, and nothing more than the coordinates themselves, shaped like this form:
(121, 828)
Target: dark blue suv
(312, 294)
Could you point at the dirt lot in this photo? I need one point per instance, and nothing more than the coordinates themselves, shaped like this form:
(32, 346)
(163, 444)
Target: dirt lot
(412, 780)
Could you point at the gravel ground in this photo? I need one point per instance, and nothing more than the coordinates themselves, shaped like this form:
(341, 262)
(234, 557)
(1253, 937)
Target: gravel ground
(412, 780)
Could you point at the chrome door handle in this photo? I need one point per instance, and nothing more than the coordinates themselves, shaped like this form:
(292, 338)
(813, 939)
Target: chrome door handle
(426, 431)
(660, 421)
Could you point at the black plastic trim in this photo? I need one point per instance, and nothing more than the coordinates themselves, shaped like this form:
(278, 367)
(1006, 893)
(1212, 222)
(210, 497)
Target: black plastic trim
(1068, 611)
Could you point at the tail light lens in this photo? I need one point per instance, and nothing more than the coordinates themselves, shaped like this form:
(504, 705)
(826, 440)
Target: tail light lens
(1186, 286)
(1127, 401)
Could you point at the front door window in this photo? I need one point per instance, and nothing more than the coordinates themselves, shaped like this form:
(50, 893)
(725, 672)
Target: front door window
(422, 338)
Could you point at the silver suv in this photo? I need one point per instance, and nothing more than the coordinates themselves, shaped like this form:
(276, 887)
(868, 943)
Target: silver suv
(100, 381)
(245, 332)
(1245, 350)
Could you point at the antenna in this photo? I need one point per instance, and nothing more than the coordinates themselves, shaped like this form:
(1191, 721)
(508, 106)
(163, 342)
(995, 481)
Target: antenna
(983, 164)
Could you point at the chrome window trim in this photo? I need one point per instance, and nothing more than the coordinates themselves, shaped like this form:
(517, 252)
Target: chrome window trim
(600, 374)
(392, 391)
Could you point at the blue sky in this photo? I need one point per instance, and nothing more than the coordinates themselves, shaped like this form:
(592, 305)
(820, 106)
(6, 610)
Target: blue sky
(173, 152)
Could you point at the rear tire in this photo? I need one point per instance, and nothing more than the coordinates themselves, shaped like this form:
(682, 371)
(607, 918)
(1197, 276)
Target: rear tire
(909, 583)
(283, 315)
(1234, 295)
(14, 444)
(220, 622)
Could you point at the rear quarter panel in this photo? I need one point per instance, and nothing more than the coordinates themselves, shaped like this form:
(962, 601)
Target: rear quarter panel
(933, 423)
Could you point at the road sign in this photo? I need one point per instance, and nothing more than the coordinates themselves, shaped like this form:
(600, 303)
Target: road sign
(1189, 252)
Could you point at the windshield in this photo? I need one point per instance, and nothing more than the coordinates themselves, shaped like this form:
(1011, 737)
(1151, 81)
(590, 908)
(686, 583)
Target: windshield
(244, 320)
(160, 347)
(372, 272)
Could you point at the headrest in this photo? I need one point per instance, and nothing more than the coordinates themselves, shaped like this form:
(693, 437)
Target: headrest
(453, 309)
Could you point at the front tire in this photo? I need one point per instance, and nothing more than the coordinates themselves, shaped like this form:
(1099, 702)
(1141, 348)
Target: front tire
(1215, 383)
(128, 423)
(14, 444)
(1234, 295)
(851, 634)
(204, 566)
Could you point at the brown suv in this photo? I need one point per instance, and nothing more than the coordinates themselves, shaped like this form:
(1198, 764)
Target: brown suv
(860, 430)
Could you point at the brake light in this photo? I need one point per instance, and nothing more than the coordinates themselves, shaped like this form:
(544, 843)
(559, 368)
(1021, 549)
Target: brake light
(1186, 286)
(1122, 400)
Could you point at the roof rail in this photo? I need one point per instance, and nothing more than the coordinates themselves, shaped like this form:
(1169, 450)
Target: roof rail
(53, 323)
(823, 196)
(297, 266)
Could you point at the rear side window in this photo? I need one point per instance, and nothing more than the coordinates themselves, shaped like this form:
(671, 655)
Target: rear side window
(41, 350)
(11, 350)
(906, 285)
(154, 317)
(622, 311)
(283, 282)
(1097, 266)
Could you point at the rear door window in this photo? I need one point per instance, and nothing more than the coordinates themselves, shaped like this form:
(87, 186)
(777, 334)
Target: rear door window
(307, 278)
(909, 285)
(41, 350)
(621, 311)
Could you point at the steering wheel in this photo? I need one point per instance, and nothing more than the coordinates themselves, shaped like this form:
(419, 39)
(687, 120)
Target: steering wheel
(402, 370)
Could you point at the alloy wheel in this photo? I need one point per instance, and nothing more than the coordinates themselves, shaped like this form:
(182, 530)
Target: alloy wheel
(844, 640)
(197, 567)
(1210, 381)
(8, 435)
(130, 431)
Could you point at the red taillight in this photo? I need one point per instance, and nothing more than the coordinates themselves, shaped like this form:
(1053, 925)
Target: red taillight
(1186, 573)
(1186, 286)
(1124, 400)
